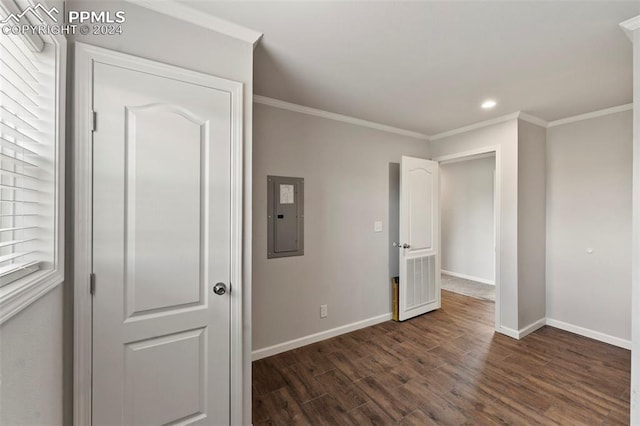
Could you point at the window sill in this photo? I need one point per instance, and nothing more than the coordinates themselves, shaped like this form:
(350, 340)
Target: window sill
(20, 294)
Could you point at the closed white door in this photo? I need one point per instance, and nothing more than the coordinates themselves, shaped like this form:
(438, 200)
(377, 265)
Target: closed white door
(161, 243)
(419, 289)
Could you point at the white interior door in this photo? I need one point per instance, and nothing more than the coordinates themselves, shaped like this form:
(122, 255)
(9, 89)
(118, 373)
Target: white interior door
(419, 247)
(161, 242)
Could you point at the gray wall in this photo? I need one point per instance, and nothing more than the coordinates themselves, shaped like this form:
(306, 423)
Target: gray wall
(504, 135)
(589, 166)
(466, 203)
(31, 364)
(35, 336)
(531, 223)
(345, 264)
(394, 219)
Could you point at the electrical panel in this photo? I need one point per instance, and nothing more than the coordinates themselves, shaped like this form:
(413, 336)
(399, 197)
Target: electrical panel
(285, 216)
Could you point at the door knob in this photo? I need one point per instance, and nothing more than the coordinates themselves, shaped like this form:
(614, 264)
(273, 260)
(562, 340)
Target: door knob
(398, 245)
(220, 289)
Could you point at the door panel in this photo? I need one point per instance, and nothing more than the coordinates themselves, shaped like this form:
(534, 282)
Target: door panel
(151, 170)
(187, 350)
(419, 237)
(161, 241)
(420, 185)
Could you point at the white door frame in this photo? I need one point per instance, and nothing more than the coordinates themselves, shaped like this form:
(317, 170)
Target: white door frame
(497, 213)
(85, 56)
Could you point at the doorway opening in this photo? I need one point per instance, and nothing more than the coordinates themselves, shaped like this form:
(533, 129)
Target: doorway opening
(467, 226)
(470, 220)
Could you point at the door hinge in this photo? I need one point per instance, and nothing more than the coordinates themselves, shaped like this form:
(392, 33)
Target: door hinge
(92, 283)
(94, 120)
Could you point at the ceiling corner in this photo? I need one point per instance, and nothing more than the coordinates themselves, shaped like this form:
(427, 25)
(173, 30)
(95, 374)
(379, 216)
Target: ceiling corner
(187, 13)
(630, 25)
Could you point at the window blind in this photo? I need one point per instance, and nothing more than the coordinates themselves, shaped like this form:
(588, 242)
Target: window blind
(27, 113)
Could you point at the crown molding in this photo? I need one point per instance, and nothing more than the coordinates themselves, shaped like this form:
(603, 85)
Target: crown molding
(590, 115)
(474, 126)
(533, 119)
(630, 25)
(202, 19)
(389, 129)
(337, 117)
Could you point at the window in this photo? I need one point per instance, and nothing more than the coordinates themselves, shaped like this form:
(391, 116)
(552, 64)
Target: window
(31, 163)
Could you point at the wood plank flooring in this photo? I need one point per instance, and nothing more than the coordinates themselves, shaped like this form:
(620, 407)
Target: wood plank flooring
(445, 367)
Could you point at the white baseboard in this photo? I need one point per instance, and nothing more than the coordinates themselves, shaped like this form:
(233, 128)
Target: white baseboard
(606, 338)
(515, 334)
(508, 332)
(468, 277)
(531, 327)
(519, 334)
(313, 338)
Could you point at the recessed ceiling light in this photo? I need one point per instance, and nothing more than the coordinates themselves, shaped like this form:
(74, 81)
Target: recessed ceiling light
(488, 104)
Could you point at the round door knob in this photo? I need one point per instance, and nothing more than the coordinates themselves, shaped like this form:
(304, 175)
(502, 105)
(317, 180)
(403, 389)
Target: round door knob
(220, 289)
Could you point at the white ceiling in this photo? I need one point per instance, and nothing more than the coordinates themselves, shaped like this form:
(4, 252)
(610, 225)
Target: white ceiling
(427, 66)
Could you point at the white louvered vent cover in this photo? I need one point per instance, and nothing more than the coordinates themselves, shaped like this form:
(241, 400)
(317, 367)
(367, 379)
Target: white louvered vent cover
(421, 281)
(27, 116)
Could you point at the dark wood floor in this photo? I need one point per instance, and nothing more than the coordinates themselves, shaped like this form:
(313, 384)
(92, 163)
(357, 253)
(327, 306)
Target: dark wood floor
(445, 367)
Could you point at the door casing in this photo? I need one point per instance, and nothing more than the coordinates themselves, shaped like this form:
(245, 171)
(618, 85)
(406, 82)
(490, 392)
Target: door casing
(85, 56)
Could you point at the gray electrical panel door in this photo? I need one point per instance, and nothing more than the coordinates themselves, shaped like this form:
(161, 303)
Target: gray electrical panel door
(285, 216)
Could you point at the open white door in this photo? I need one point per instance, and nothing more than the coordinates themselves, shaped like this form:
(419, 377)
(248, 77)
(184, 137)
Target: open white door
(419, 237)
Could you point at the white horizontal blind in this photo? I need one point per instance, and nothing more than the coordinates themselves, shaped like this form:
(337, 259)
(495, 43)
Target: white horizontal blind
(27, 114)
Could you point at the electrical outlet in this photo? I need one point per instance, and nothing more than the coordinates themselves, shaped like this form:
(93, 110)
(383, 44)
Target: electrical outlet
(323, 311)
(377, 226)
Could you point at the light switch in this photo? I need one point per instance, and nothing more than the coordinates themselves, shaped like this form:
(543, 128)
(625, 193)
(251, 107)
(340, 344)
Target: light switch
(377, 226)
